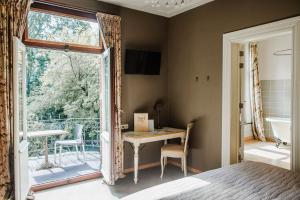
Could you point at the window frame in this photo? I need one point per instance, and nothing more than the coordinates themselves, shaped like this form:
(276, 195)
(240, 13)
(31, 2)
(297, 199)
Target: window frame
(66, 46)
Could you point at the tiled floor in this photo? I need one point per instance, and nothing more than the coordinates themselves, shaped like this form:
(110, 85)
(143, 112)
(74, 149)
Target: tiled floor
(267, 152)
(70, 167)
(96, 190)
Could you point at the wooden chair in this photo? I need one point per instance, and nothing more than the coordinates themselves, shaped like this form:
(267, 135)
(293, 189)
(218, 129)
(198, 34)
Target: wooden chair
(176, 151)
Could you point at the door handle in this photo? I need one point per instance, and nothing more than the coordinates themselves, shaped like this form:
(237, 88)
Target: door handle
(23, 146)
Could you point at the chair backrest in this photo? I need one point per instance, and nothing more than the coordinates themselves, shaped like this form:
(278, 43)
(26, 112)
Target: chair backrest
(188, 130)
(78, 132)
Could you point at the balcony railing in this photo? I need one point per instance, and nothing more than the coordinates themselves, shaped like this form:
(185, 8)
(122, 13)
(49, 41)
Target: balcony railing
(91, 127)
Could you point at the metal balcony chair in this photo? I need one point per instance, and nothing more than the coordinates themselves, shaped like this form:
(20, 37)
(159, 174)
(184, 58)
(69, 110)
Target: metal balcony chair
(176, 151)
(78, 141)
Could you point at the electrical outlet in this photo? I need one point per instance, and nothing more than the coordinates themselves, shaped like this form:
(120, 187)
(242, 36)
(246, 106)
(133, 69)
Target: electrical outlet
(124, 126)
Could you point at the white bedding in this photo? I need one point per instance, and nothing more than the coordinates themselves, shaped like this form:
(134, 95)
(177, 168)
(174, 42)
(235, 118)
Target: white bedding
(244, 181)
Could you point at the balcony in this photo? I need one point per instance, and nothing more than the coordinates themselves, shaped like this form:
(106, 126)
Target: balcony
(70, 165)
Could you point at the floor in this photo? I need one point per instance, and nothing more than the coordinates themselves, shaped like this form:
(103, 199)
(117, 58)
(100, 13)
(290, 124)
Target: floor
(266, 152)
(70, 167)
(96, 190)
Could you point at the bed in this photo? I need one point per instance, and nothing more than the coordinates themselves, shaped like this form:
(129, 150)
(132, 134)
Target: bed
(244, 181)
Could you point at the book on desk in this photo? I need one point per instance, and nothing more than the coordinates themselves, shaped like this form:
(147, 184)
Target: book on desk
(142, 123)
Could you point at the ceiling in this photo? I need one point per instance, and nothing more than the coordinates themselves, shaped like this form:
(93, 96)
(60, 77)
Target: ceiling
(162, 8)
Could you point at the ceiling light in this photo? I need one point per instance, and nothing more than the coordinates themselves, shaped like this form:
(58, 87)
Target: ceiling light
(176, 5)
(167, 3)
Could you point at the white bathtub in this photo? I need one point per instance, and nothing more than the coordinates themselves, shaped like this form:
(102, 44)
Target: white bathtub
(281, 128)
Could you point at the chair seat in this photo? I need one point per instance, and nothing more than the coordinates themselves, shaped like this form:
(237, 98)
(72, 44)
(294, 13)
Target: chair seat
(68, 142)
(172, 150)
(176, 151)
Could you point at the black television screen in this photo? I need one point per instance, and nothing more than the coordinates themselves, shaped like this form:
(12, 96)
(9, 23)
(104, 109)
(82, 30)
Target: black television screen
(142, 62)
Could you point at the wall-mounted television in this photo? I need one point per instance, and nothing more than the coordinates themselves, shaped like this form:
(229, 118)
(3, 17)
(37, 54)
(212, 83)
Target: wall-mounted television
(142, 62)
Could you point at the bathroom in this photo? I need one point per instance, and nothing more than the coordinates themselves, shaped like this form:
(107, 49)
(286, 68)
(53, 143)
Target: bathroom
(267, 100)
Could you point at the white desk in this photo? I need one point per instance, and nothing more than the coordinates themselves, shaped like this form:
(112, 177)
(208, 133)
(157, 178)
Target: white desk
(137, 138)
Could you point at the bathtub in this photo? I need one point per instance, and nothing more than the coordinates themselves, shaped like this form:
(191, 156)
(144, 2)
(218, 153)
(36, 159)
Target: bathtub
(281, 128)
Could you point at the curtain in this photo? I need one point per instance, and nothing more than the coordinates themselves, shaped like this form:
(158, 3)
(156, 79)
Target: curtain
(110, 29)
(12, 23)
(256, 101)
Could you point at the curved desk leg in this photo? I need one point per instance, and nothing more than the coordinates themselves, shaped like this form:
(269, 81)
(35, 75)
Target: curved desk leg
(123, 152)
(136, 162)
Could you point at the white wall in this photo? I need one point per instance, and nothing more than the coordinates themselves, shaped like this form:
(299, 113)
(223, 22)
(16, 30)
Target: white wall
(273, 67)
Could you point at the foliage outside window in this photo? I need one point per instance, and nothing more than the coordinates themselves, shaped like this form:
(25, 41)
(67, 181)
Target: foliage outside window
(62, 84)
(62, 87)
(48, 27)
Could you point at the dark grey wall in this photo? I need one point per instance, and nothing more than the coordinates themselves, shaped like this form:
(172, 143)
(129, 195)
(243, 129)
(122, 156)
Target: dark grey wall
(191, 45)
(139, 92)
(195, 49)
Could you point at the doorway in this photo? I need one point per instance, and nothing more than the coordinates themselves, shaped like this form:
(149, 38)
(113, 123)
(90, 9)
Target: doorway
(266, 88)
(61, 99)
(232, 140)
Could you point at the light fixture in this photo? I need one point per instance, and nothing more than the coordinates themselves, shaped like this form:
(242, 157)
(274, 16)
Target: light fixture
(167, 3)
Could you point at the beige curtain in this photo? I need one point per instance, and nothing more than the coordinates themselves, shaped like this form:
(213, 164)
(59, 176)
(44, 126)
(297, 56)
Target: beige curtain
(12, 23)
(110, 28)
(256, 101)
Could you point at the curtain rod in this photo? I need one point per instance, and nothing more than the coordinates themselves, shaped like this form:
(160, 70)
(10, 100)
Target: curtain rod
(62, 5)
(284, 52)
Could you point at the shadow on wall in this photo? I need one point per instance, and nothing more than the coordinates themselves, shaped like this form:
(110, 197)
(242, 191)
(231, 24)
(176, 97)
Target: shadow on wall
(199, 124)
(195, 135)
(156, 110)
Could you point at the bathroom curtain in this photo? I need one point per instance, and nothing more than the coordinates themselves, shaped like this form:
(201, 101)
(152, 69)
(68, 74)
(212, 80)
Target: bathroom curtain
(13, 14)
(110, 28)
(256, 100)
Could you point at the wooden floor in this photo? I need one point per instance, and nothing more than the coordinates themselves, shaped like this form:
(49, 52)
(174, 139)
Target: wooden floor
(266, 152)
(70, 167)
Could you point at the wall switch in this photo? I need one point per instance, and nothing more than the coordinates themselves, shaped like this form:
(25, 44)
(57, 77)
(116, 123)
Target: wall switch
(124, 126)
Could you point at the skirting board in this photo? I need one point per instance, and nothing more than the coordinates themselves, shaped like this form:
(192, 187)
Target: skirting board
(251, 138)
(270, 139)
(248, 138)
(156, 164)
(143, 166)
(191, 169)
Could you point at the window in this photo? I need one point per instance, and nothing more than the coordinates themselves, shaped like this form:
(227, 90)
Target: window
(62, 84)
(63, 70)
(60, 31)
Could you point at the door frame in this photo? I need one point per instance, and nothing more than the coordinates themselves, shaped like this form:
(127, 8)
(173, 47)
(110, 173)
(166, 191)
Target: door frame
(107, 130)
(291, 25)
(20, 147)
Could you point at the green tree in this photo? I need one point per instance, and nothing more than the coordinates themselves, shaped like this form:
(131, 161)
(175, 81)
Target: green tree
(62, 84)
(69, 87)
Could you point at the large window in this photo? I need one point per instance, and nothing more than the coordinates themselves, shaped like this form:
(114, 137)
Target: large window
(63, 70)
(61, 31)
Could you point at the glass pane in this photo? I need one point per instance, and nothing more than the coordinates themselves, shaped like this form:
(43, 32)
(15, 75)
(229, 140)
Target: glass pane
(55, 28)
(20, 64)
(62, 91)
(62, 84)
(106, 92)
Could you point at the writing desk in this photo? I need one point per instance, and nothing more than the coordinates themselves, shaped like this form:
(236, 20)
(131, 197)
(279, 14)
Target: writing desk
(137, 138)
